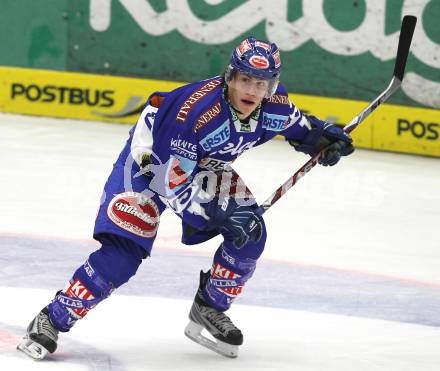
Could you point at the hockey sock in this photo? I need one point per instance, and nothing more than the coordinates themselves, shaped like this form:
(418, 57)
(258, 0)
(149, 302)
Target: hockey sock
(106, 269)
(227, 278)
(84, 291)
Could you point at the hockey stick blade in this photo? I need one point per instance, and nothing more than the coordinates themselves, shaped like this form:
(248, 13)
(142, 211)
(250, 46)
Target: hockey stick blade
(405, 38)
(406, 35)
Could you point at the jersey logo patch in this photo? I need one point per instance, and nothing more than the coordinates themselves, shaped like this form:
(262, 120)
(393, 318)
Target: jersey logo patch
(217, 137)
(179, 172)
(213, 164)
(135, 213)
(236, 149)
(194, 98)
(207, 116)
(184, 148)
(279, 99)
(274, 122)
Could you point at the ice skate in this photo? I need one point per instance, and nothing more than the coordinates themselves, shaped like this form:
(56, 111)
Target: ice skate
(227, 337)
(41, 337)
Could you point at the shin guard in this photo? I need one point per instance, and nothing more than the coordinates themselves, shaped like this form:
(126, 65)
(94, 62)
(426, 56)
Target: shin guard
(84, 291)
(227, 278)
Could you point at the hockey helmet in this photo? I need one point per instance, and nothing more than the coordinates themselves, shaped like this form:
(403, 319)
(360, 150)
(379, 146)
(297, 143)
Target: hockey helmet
(257, 59)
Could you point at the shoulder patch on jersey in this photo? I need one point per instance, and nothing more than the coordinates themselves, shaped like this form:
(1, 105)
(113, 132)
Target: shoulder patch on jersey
(156, 100)
(273, 122)
(189, 103)
(279, 99)
(207, 116)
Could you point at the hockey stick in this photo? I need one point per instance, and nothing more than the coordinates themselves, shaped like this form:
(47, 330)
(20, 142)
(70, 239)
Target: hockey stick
(406, 34)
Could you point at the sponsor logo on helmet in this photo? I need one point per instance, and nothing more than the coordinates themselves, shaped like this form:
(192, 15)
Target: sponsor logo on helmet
(258, 61)
(135, 213)
(277, 58)
(207, 117)
(194, 98)
(243, 47)
(262, 44)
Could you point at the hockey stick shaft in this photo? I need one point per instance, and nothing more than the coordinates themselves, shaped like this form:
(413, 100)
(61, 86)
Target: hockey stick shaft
(406, 33)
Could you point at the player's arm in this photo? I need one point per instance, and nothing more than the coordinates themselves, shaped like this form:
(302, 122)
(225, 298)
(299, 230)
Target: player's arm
(168, 158)
(309, 134)
(141, 147)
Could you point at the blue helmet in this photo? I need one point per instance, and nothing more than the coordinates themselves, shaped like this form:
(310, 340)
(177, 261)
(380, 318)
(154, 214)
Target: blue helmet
(258, 59)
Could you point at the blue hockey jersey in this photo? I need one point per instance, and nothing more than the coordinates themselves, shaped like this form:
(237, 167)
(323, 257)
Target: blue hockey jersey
(193, 129)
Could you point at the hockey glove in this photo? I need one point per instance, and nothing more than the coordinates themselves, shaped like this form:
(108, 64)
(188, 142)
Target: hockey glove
(324, 135)
(243, 222)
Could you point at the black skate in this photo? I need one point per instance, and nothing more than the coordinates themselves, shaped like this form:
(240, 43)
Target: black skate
(227, 336)
(41, 337)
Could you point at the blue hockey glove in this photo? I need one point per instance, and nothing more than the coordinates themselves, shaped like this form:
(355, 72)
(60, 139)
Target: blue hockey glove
(325, 135)
(242, 221)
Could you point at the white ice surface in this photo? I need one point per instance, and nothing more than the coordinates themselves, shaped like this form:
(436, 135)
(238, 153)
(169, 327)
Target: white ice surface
(276, 339)
(376, 213)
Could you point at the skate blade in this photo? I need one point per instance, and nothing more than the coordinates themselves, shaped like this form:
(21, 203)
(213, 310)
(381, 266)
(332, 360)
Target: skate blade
(32, 349)
(194, 332)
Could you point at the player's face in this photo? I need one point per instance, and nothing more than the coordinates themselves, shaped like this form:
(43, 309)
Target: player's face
(246, 92)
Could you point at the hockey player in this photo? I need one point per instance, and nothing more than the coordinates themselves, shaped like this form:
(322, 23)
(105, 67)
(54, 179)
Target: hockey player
(178, 155)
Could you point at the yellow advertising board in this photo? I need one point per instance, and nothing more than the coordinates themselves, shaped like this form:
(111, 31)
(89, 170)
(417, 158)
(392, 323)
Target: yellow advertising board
(389, 128)
(120, 99)
(75, 95)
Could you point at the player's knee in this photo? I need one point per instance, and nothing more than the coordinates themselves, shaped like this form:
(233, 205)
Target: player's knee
(251, 249)
(118, 259)
(258, 247)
